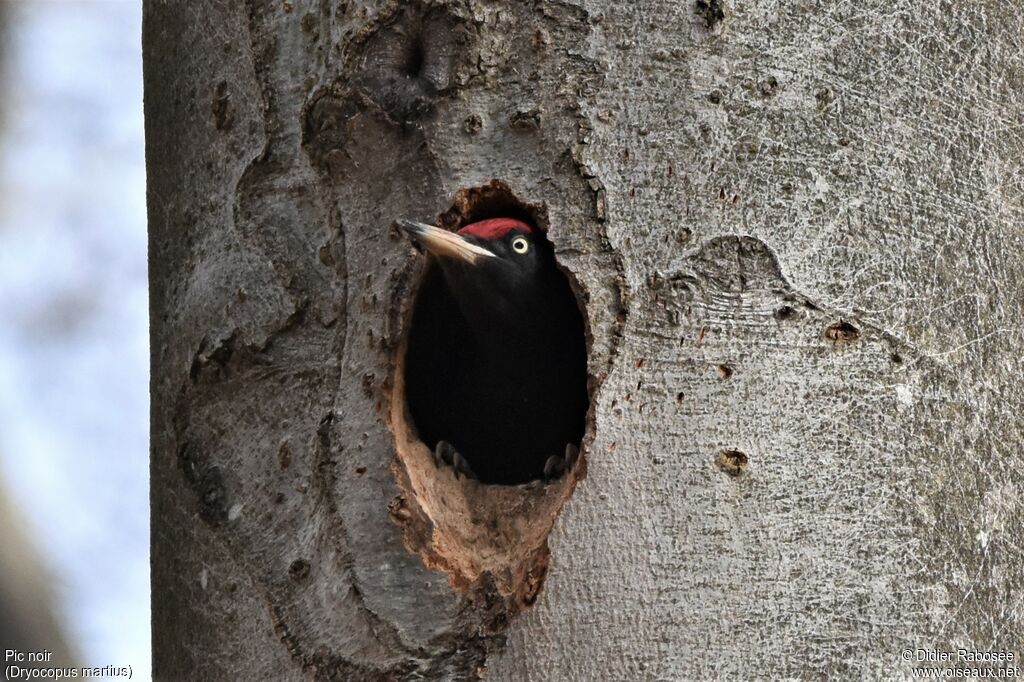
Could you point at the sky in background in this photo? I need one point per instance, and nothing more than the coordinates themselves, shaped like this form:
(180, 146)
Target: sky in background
(74, 400)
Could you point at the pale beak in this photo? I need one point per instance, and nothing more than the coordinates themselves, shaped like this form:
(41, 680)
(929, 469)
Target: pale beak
(444, 243)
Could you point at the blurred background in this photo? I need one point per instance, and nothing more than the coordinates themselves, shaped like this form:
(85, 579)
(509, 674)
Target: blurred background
(74, 556)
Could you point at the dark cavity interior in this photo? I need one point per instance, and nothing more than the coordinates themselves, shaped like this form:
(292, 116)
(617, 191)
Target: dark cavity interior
(414, 58)
(507, 396)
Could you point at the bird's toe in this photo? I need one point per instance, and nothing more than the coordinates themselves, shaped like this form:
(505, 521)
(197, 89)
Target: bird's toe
(461, 466)
(444, 453)
(572, 453)
(553, 467)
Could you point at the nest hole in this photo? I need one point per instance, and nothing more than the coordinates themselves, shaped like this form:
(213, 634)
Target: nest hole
(733, 462)
(841, 332)
(504, 402)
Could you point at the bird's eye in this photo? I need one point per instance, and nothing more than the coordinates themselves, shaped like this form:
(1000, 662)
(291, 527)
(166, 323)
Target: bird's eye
(520, 245)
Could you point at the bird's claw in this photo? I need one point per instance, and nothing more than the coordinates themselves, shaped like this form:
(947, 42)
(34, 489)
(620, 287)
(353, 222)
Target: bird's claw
(445, 452)
(572, 453)
(555, 466)
(460, 465)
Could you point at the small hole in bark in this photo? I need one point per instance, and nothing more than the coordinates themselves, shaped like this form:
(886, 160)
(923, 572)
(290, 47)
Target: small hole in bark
(472, 124)
(733, 462)
(841, 333)
(223, 112)
(398, 509)
(785, 313)
(768, 86)
(525, 119)
(896, 359)
(823, 97)
(414, 59)
(496, 360)
(299, 570)
(711, 11)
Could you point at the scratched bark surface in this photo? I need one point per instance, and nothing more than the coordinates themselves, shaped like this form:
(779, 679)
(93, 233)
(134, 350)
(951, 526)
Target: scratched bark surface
(796, 230)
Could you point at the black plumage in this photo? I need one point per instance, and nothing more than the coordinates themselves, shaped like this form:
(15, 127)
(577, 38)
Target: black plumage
(496, 357)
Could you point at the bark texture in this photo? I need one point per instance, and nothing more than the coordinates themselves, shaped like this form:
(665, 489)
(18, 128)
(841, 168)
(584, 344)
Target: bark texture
(796, 231)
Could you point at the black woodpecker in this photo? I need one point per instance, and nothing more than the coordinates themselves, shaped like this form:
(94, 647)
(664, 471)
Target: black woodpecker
(496, 363)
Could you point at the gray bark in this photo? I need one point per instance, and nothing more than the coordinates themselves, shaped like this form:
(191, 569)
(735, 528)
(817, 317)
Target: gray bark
(796, 230)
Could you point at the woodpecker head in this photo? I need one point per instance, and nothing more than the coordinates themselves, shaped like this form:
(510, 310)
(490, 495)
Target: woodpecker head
(498, 269)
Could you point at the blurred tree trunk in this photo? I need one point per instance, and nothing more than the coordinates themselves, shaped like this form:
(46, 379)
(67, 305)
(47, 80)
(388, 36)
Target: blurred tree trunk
(28, 613)
(796, 228)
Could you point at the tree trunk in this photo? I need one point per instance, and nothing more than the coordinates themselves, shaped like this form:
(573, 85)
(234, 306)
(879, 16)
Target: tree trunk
(795, 229)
